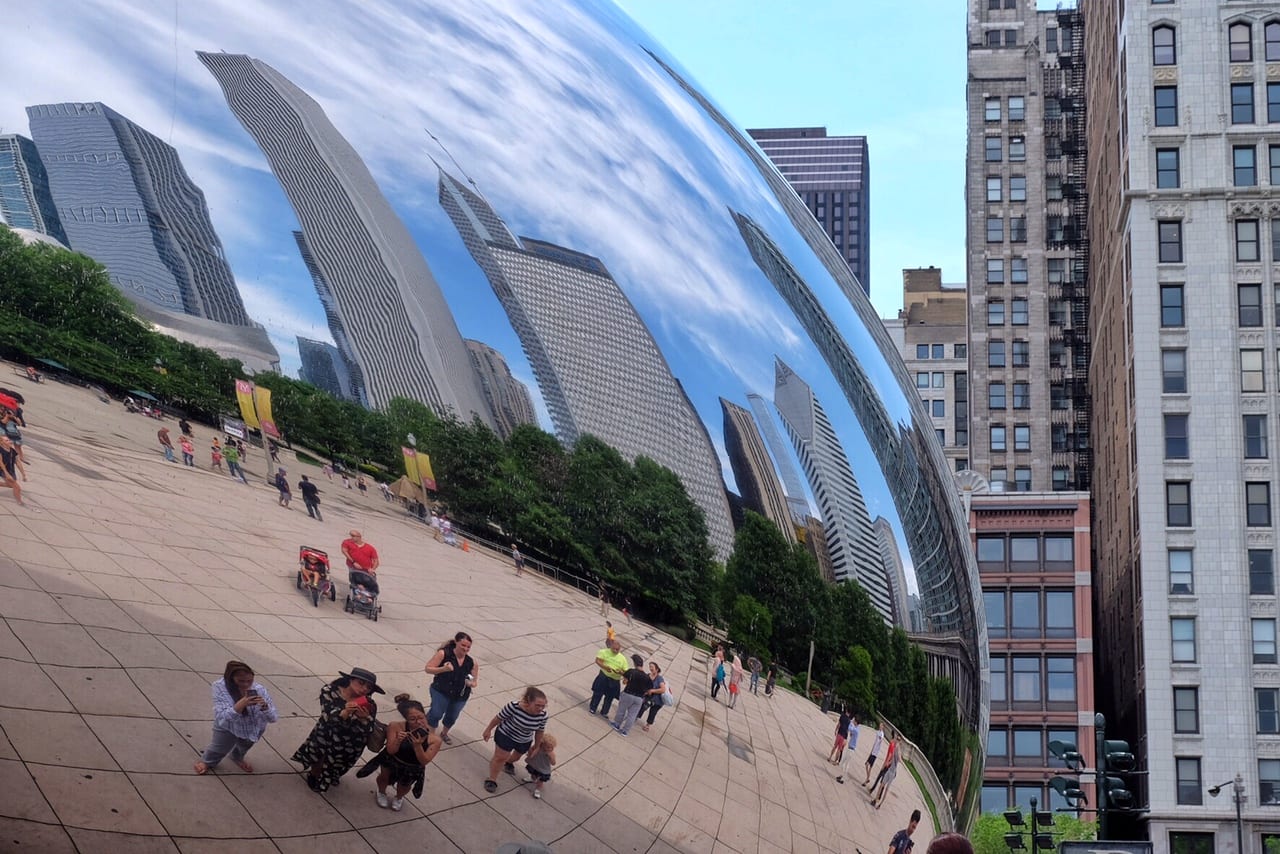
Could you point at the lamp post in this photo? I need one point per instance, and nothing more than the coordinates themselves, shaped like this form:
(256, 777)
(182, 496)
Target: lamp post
(1237, 795)
(1039, 834)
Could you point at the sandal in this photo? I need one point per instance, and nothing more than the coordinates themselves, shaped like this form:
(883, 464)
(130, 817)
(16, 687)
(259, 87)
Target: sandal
(201, 768)
(490, 786)
(509, 768)
(243, 766)
(446, 739)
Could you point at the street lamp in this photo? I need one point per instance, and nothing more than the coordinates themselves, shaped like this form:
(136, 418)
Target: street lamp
(1039, 835)
(1237, 795)
(413, 440)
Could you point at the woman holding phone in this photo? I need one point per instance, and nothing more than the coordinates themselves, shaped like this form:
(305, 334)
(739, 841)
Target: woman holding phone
(242, 708)
(339, 737)
(409, 749)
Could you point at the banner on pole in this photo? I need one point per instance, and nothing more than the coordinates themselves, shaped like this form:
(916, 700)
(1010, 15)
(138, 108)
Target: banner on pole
(411, 465)
(244, 396)
(262, 401)
(424, 471)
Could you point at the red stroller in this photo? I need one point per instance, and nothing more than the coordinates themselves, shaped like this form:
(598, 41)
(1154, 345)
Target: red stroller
(315, 561)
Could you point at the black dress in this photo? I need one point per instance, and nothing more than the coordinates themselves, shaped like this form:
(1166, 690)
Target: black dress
(405, 768)
(334, 743)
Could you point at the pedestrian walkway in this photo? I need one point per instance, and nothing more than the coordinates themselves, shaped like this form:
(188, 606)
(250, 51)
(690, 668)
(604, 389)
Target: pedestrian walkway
(129, 582)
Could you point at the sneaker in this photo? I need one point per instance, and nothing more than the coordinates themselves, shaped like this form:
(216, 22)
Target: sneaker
(537, 794)
(397, 804)
(613, 724)
(509, 768)
(840, 780)
(382, 799)
(446, 738)
(621, 732)
(490, 785)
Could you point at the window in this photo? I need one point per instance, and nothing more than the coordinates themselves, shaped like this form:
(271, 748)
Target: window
(1186, 710)
(1018, 271)
(1264, 641)
(960, 351)
(1242, 103)
(1061, 478)
(1028, 747)
(1262, 577)
(1017, 108)
(996, 396)
(1022, 437)
(1181, 572)
(1183, 633)
(1053, 228)
(1021, 354)
(995, 354)
(995, 193)
(938, 351)
(1026, 679)
(998, 744)
(1244, 165)
(1017, 149)
(998, 442)
(995, 797)
(1059, 614)
(993, 38)
(1173, 366)
(1246, 240)
(1010, 38)
(1170, 234)
(922, 351)
(1022, 479)
(1059, 548)
(1053, 188)
(995, 271)
(1058, 438)
(1167, 172)
(1057, 396)
(1255, 437)
(1176, 444)
(1275, 238)
(1177, 495)
(1018, 312)
(995, 229)
(922, 379)
(1269, 782)
(1189, 785)
(991, 108)
(1181, 842)
(1025, 550)
(940, 435)
(1060, 679)
(1017, 188)
(1257, 504)
(1166, 100)
(1272, 36)
(1026, 614)
(995, 313)
(999, 679)
(994, 148)
(939, 379)
(1252, 377)
(1273, 102)
(993, 602)
(1273, 164)
(991, 549)
(1171, 313)
(1022, 395)
(1051, 40)
(1249, 305)
(1240, 42)
(938, 409)
(1018, 229)
(1163, 49)
(1267, 702)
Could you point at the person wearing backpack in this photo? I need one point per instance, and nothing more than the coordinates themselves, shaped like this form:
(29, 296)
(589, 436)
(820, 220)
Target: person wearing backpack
(657, 697)
(717, 679)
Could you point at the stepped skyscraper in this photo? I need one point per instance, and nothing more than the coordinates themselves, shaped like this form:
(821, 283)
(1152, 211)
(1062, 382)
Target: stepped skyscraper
(753, 469)
(394, 317)
(25, 200)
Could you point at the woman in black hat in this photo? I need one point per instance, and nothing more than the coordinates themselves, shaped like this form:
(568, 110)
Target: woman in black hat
(338, 739)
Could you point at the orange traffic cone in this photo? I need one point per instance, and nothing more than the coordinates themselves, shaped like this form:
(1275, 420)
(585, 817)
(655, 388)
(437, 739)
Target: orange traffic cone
(465, 546)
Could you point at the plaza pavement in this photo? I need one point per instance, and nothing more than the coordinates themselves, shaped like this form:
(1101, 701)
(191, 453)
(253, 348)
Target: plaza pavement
(128, 582)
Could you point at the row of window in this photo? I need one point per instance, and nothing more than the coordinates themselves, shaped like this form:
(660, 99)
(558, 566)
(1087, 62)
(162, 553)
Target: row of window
(999, 435)
(1177, 440)
(1244, 166)
(1164, 43)
(1177, 495)
(994, 151)
(1186, 710)
(1060, 479)
(1025, 746)
(939, 351)
(1191, 789)
(1019, 313)
(1017, 271)
(993, 109)
(1026, 680)
(1026, 551)
(1030, 613)
(1182, 576)
(996, 353)
(1182, 632)
(998, 398)
(1165, 100)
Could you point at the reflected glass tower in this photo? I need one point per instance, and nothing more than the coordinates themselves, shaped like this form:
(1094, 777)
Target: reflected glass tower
(125, 200)
(792, 486)
(395, 320)
(25, 200)
(894, 570)
(324, 368)
(753, 469)
(508, 398)
(346, 352)
(855, 552)
(598, 368)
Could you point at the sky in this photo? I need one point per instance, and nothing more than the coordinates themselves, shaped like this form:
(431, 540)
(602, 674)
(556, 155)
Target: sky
(839, 64)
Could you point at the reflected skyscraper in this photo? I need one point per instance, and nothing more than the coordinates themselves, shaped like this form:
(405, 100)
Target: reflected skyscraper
(894, 569)
(791, 483)
(508, 398)
(25, 201)
(125, 200)
(753, 469)
(394, 316)
(598, 368)
(337, 328)
(324, 368)
(855, 553)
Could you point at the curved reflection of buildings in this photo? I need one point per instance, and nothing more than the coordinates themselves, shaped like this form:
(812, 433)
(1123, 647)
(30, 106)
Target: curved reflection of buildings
(753, 470)
(895, 571)
(25, 200)
(348, 371)
(855, 554)
(508, 398)
(598, 367)
(399, 327)
(791, 485)
(323, 367)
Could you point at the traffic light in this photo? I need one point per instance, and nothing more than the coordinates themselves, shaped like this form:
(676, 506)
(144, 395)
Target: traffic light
(1116, 757)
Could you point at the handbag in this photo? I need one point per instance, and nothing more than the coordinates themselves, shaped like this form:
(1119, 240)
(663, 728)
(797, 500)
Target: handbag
(377, 736)
(668, 699)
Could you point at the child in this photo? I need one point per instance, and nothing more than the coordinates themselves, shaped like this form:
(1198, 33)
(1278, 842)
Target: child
(215, 454)
(188, 451)
(539, 761)
(242, 708)
(314, 569)
(609, 633)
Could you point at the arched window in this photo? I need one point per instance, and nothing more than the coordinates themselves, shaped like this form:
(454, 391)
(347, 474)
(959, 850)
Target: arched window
(1240, 42)
(1163, 50)
(1272, 34)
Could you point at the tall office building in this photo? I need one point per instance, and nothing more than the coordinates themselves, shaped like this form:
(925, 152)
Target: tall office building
(125, 200)
(25, 200)
(508, 398)
(1185, 233)
(394, 318)
(753, 469)
(832, 175)
(347, 370)
(618, 388)
(855, 553)
(895, 571)
(792, 486)
(324, 368)
(1028, 315)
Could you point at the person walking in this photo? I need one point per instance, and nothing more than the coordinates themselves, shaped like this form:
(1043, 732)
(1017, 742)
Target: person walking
(636, 686)
(539, 761)
(188, 451)
(771, 681)
(607, 684)
(311, 498)
(887, 776)
(842, 735)
(626, 610)
(517, 559)
(851, 746)
(363, 486)
(9, 422)
(166, 444)
(242, 708)
(339, 737)
(215, 455)
(455, 674)
(274, 450)
(604, 602)
(889, 756)
(362, 561)
(875, 751)
(717, 676)
(282, 484)
(516, 727)
(232, 453)
(735, 680)
(10, 467)
(657, 696)
(754, 666)
(408, 750)
(328, 471)
(901, 842)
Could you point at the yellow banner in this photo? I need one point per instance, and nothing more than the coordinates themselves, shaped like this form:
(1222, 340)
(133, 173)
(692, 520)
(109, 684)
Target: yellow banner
(411, 465)
(424, 469)
(244, 395)
(262, 400)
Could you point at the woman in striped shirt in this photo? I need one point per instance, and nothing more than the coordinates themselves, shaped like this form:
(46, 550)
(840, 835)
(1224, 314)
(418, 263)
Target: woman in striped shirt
(519, 726)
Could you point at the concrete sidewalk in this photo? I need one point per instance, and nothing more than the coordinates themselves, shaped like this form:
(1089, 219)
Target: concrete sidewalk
(128, 582)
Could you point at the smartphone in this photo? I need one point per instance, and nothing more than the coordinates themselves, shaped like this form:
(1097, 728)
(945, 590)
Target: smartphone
(422, 734)
(361, 701)
(252, 692)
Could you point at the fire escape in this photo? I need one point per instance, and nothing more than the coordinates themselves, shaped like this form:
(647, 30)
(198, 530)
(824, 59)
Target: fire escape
(1068, 229)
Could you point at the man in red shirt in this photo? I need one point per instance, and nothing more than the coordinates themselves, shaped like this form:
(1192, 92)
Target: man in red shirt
(362, 560)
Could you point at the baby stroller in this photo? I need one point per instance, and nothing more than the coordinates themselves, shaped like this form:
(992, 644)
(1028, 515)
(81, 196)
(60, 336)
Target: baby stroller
(362, 598)
(316, 561)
